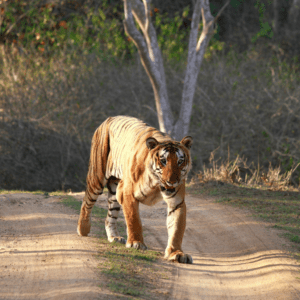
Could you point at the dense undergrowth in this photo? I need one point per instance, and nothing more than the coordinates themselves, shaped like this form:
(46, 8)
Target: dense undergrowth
(246, 104)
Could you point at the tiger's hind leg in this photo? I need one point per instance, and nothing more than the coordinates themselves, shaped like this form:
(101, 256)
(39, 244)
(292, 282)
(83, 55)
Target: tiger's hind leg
(89, 200)
(113, 212)
(95, 180)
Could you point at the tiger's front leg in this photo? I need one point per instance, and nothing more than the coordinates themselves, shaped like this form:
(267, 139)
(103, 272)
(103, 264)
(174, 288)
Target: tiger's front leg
(133, 221)
(176, 222)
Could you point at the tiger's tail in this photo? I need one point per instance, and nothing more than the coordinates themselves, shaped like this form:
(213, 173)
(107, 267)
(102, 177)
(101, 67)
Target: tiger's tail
(96, 176)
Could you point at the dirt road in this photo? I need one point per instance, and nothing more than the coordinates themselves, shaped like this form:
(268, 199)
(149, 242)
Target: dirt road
(41, 256)
(235, 257)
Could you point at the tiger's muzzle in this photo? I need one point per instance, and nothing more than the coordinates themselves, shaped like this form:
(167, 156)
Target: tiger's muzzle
(168, 192)
(172, 184)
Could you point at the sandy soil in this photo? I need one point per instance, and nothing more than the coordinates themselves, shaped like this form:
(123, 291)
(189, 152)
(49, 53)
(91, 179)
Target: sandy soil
(235, 257)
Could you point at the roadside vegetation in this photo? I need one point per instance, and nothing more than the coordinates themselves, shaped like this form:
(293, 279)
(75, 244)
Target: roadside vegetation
(267, 197)
(65, 68)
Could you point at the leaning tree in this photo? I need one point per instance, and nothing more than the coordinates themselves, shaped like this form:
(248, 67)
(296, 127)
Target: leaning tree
(151, 57)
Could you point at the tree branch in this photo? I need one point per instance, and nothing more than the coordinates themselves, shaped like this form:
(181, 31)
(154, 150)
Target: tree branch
(132, 31)
(151, 57)
(195, 57)
(147, 15)
(220, 11)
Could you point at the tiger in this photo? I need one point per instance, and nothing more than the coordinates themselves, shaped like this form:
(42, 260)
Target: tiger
(138, 164)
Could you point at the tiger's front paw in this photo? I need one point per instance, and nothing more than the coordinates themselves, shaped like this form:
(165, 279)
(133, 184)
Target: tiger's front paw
(136, 245)
(117, 239)
(180, 257)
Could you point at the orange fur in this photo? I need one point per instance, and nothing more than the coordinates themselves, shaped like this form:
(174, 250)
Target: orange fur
(148, 166)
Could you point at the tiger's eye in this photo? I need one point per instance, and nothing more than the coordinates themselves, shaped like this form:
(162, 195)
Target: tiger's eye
(180, 161)
(163, 161)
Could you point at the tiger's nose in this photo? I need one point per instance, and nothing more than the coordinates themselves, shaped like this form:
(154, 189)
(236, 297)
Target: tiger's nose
(174, 184)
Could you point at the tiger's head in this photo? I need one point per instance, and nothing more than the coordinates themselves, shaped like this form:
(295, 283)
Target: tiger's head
(170, 163)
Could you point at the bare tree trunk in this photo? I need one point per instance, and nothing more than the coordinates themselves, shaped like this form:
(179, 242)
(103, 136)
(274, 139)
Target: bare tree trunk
(195, 57)
(151, 58)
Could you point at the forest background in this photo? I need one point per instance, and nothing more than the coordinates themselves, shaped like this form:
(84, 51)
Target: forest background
(65, 66)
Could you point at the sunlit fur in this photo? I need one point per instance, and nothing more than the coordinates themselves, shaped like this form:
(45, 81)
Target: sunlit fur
(139, 164)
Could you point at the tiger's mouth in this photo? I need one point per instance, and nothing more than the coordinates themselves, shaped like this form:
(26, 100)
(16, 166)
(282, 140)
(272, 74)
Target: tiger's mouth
(167, 191)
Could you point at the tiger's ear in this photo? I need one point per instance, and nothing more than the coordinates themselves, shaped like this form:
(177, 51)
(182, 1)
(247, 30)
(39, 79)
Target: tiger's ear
(151, 143)
(187, 141)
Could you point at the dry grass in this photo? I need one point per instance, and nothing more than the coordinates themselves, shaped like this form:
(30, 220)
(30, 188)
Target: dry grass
(50, 109)
(269, 196)
(239, 172)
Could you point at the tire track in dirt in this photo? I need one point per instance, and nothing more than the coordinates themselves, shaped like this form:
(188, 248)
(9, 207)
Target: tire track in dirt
(235, 257)
(41, 256)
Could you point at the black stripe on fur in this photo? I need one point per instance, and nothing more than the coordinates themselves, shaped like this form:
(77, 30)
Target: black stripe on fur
(109, 215)
(114, 208)
(177, 206)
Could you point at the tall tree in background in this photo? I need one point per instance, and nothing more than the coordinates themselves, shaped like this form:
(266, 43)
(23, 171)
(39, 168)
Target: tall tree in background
(151, 57)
